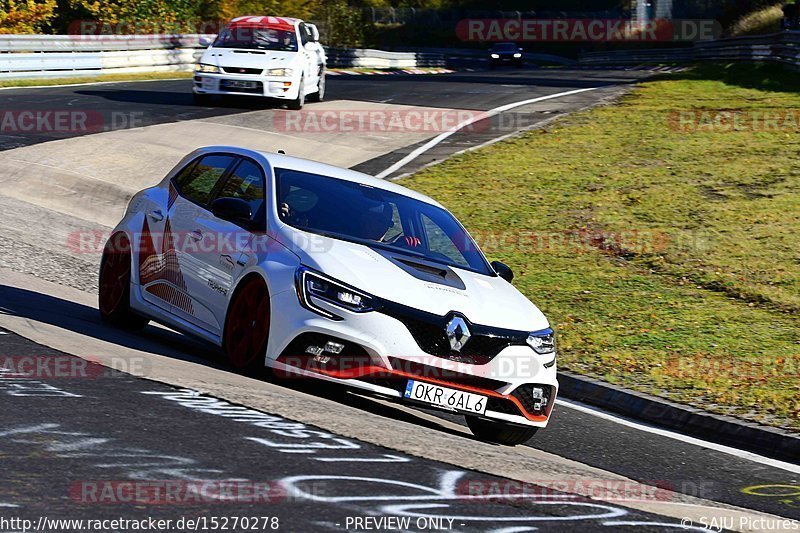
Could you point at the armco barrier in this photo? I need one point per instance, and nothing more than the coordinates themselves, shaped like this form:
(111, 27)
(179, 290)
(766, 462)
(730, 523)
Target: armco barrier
(40, 56)
(783, 47)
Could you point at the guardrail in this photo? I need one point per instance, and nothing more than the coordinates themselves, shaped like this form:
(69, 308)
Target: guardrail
(370, 58)
(41, 56)
(783, 47)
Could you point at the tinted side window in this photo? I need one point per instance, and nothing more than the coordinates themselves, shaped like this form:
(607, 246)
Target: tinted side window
(198, 184)
(247, 183)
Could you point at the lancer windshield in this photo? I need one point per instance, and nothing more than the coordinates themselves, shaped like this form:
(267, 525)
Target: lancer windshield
(375, 217)
(257, 37)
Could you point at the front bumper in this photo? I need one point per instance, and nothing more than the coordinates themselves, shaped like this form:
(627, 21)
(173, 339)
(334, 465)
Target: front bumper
(381, 355)
(283, 88)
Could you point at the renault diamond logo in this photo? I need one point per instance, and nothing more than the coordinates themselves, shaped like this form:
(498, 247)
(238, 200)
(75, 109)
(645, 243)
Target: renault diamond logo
(457, 333)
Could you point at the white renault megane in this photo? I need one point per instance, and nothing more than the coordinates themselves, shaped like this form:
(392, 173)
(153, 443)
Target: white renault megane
(323, 272)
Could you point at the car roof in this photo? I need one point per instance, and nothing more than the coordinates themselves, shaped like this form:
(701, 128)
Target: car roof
(258, 20)
(324, 169)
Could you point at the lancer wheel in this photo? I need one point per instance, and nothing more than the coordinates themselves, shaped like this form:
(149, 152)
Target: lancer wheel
(115, 285)
(500, 432)
(298, 102)
(247, 325)
(320, 94)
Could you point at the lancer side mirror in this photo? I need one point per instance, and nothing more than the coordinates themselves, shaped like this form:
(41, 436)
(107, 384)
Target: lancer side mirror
(503, 270)
(314, 32)
(232, 209)
(204, 42)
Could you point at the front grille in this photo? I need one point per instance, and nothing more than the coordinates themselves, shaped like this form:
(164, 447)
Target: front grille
(242, 70)
(429, 332)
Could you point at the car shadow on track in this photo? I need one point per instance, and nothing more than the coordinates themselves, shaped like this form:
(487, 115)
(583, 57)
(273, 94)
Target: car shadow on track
(85, 320)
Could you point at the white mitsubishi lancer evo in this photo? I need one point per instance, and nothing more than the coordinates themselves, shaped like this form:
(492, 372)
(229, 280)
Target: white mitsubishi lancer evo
(318, 271)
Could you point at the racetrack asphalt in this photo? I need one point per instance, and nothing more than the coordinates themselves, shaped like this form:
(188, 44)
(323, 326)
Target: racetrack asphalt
(83, 434)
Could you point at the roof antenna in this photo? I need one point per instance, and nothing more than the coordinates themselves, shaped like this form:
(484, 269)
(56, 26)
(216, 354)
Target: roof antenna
(282, 152)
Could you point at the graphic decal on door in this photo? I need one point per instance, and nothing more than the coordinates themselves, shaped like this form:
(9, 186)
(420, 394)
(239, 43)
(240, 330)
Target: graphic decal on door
(160, 274)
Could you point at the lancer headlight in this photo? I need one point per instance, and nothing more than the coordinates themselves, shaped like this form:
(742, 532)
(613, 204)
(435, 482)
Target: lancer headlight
(284, 72)
(517, 55)
(205, 67)
(495, 56)
(312, 286)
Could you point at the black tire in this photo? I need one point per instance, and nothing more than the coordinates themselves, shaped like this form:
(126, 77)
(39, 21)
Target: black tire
(202, 99)
(297, 103)
(320, 94)
(114, 298)
(500, 432)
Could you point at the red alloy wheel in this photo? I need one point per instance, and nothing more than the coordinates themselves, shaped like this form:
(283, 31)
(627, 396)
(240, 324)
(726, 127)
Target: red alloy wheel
(247, 325)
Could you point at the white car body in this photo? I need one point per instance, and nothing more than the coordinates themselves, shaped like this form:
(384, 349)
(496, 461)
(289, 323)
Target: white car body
(192, 291)
(257, 71)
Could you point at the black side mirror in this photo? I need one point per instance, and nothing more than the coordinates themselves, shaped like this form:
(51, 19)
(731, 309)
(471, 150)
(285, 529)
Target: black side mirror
(503, 270)
(232, 209)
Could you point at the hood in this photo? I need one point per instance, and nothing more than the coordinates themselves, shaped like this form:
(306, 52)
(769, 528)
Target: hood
(485, 300)
(246, 58)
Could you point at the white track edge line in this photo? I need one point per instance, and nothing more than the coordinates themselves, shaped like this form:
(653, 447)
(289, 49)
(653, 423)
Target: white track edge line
(742, 454)
(480, 116)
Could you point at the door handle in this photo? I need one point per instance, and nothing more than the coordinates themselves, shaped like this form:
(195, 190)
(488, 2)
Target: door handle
(156, 215)
(196, 234)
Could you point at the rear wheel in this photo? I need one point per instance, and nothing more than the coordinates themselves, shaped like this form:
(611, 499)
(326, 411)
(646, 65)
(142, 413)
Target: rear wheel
(247, 325)
(115, 285)
(500, 432)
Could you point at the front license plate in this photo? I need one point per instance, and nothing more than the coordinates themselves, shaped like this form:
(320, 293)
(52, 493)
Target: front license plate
(239, 84)
(452, 399)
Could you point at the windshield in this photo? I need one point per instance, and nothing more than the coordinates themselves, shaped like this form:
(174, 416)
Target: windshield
(257, 37)
(505, 47)
(375, 217)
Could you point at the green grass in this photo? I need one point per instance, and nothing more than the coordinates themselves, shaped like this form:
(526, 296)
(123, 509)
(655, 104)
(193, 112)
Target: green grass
(95, 79)
(668, 260)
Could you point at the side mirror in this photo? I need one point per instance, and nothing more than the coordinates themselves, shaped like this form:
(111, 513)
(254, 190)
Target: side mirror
(314, 32)
(232, 209)
(204, 42)
(503, 270)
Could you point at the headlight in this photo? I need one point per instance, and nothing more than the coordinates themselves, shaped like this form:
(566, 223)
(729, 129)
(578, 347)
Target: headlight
(313, 285)
(543, 342)
(495, 56)
(285, 72)
(204, 67)
(517, 55)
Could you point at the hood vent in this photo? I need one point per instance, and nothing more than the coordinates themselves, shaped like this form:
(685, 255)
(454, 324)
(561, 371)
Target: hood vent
(425, 270)
(249, 52)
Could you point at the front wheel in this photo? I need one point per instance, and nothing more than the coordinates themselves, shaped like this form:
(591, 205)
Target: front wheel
(115, 285)
(500, 432)
(320, 94)
(298, 102)
(247, 325)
